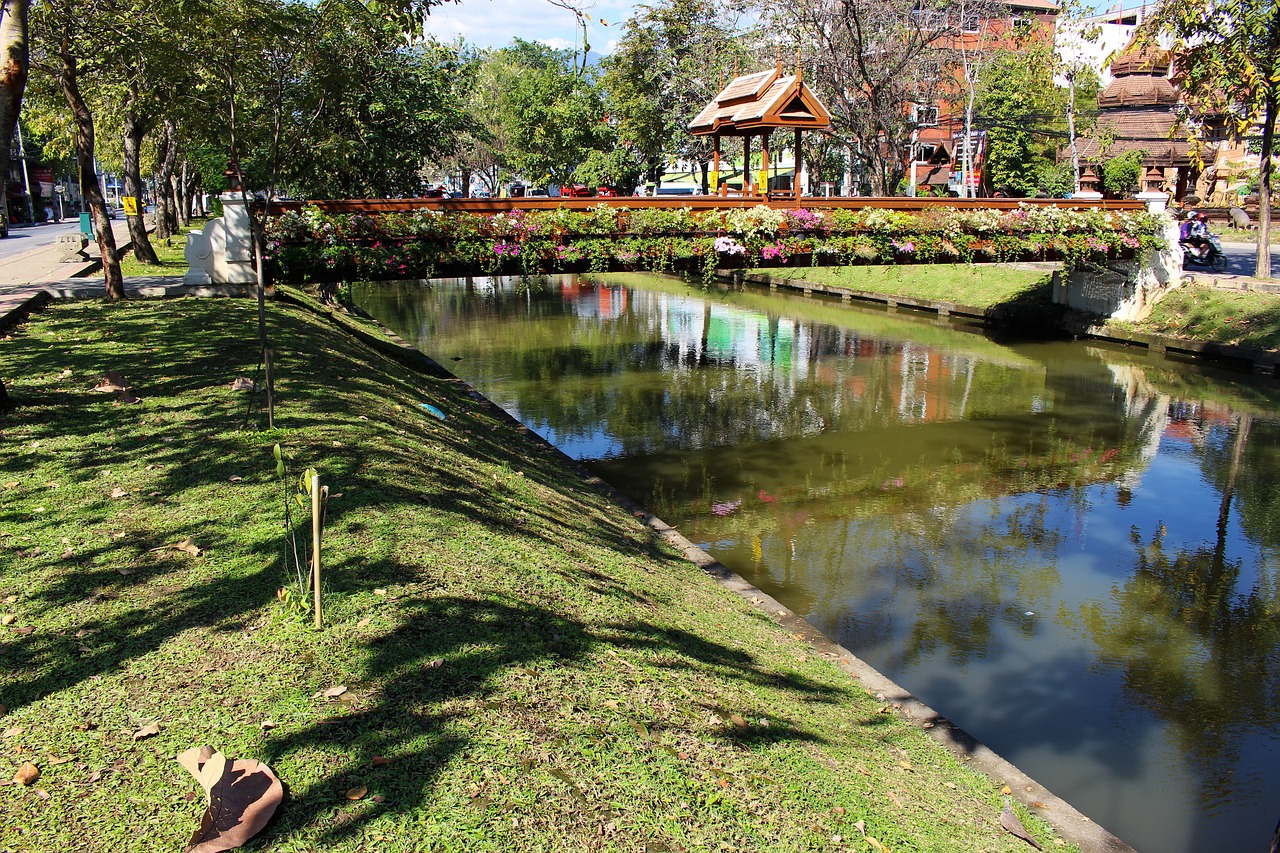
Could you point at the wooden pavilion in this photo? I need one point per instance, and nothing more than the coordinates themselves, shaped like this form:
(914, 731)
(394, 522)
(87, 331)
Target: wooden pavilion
(756, 105)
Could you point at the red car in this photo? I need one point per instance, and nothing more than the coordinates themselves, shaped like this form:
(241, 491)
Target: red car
(607, 192)
(578, 191)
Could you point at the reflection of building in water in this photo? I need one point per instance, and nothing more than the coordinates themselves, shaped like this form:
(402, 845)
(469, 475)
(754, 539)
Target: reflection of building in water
(595, 300)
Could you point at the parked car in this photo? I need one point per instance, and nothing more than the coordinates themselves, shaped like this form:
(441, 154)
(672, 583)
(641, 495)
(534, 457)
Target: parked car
(578, 191)
(607, 192)
(538, 193)
(433, 192)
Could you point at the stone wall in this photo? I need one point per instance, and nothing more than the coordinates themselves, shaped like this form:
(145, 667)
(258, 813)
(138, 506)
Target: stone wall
(1123, 290)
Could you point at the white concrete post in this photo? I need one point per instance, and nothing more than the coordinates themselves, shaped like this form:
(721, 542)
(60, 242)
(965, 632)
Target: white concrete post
(223, 252)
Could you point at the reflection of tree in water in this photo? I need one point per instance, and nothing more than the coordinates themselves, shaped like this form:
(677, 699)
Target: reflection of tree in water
(1195, 648)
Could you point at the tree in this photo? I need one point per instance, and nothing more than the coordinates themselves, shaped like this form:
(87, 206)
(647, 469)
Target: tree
(14, 58)
(1120, 174)
(671, 61)
(875, 59)
(1228, 60)
(69, 48)
(555, 117)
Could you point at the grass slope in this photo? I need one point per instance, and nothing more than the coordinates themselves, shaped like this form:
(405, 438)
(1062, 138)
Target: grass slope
(526, 668)
(977, 285)
(1205, 313)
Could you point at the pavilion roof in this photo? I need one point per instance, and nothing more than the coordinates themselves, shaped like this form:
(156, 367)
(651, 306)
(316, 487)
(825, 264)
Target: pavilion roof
(762, 101)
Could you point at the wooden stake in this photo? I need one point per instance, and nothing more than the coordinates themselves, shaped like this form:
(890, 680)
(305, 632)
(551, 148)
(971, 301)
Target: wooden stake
(315, 543)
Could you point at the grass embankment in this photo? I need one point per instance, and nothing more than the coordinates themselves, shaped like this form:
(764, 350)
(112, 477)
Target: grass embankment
(1205, 313)
(976, 285)
(525, 667)
(169, 251)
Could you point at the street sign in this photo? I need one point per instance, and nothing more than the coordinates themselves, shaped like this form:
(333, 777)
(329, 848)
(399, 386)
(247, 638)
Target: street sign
(130, 205)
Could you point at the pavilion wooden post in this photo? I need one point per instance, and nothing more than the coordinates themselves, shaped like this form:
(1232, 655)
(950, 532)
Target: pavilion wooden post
(795, 178)
(715, 167)
(764, 164)
(746, 164)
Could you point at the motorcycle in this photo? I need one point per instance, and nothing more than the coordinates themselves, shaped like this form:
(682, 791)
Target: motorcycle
(1212, 257)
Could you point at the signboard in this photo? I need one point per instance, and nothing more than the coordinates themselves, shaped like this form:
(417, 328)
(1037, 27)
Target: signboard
(130, 205)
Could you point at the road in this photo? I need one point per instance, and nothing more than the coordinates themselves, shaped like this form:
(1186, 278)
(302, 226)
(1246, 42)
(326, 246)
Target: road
(25, 238)
(1240, 259)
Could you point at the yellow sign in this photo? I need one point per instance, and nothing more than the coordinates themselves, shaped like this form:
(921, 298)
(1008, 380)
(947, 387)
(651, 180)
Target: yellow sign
(130, 205)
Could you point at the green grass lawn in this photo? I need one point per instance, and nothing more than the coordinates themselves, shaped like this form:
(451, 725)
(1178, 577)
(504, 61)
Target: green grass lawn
(1205, 313)
(977, 285)
(526, 668)
(170, 253)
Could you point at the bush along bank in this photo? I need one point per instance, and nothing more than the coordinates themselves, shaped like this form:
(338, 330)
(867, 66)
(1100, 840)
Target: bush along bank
(311, 245)
(510, 661)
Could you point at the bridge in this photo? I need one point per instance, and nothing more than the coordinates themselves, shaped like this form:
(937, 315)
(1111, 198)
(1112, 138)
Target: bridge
(1119, 256)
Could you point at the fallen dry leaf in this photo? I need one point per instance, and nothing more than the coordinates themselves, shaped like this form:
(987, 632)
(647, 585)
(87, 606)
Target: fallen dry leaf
(380, 760)
(24, 630)
(242, 795)
(147, 731)
(333, 692)
(363, 623)
(871, 839)
(190, 547)
(235, 479)
(13, 731)
(7, 619)
(68, 554)
(118, 492)
(738, 721)
(242, 383)
(357, 793)
(10, 599)
(26, 774)
(267, 725)
(1006, 790)
(127, 396)
(12, 484)
(42, 793)
(379, 591)
(905, 765)
(113, 381)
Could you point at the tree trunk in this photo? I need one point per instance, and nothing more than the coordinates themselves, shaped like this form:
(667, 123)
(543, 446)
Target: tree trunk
(180, 219)
(164, 168)
(135, 128)
(14, 65)
(89, 186)
(1264, 186)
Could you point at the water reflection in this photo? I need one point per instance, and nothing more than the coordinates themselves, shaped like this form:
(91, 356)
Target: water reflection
(1070, 550)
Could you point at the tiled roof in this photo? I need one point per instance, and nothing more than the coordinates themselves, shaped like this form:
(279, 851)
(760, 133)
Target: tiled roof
(1150, 130)
(763, 100)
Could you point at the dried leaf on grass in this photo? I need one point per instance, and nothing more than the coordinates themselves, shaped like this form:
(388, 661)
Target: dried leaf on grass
(331, 693)
(242, 383)
(357, 793)
(7, 619)
(112, 382)
(242, 795)
(118, 492)
(187, 545)
(147, 731)
(127, 396)
(27, 774)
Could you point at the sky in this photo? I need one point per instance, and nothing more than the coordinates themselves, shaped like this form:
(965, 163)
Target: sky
(494, 23)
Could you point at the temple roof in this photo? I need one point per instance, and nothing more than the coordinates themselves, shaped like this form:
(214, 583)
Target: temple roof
(753, 103)
(1141, 79)
(1149, 130)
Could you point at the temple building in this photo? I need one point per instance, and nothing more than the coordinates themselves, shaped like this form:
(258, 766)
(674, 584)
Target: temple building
(1137, 112)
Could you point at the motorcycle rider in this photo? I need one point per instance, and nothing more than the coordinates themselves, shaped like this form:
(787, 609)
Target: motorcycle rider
(1194, 235)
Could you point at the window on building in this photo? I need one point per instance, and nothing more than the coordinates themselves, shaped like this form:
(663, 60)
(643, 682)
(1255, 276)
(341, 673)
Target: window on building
(924, 116)
(970, 21)
(1022, 25)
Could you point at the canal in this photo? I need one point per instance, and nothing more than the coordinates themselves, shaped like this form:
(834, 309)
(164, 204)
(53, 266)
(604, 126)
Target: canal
(1069, 549)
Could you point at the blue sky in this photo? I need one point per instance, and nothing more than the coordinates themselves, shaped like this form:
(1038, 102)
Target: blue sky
(494, 23)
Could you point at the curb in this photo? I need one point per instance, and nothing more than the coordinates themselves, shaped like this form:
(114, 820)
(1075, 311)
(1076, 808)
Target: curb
(1069, 822)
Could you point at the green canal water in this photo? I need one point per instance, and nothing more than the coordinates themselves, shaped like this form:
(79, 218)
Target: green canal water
(1070, 550)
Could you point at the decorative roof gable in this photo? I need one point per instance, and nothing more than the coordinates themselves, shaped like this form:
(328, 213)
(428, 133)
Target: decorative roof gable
(755, 103)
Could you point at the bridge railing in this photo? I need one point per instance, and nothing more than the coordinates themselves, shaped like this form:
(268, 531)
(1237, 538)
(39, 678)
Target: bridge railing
(491, 206)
